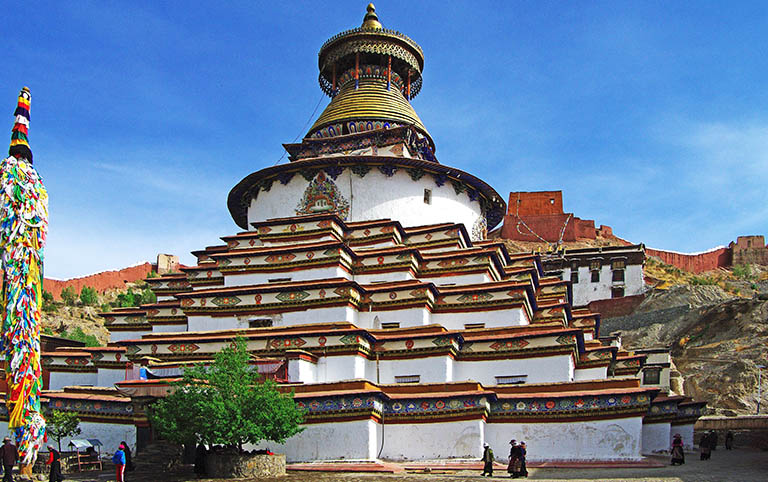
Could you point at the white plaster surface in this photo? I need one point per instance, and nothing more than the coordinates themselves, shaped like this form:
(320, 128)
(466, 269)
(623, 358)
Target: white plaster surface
(407, 317)
(169, 328)
(431, 370)
(656, 438)
(115, 336)
(492, 319)
(110, 434)
(598, 373)
(107, 377)
(383, 277)
(247, 279)
(617, 439)
(301, 371)
(59, 380)
(539, 370)
(427, 441)
(330, 441)
(686, 432)
(376, 196)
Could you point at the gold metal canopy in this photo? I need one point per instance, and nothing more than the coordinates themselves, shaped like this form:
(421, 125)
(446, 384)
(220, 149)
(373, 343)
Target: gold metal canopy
(370, 101)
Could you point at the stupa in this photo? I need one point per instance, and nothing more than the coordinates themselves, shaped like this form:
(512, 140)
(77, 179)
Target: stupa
(363, 281)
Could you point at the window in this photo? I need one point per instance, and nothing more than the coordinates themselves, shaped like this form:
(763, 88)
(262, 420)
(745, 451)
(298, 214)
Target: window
(427, 196)
(594, 265)
(551, 200)
(618, 264)
(407, 378)
(617, 292)
(473, 326)
(651, 376)
(278, 280)
(390, 325)
(511, 379)
(259, 323)
(595, 276)
(574, 276)
(618, 275)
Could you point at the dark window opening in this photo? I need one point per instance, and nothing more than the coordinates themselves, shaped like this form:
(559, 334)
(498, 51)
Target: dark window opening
(618, 275)
(651, 377)
(278, 280)
(427, 196)
(260, 323)
(390, 325)
(473, 326)
(595, 276)
(407, 378)
(617, 292)
(511, 379)
(574, 277)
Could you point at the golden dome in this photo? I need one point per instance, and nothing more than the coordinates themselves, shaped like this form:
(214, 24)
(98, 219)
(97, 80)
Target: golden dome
(370, 101)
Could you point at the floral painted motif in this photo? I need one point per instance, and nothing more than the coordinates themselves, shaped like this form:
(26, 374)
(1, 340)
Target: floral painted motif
(284, 343)
(183, 348)
(280, 258)
(226, 301)
(322, 195)
(474, 297)
(450, 263)
(509, 344)
(289, 296)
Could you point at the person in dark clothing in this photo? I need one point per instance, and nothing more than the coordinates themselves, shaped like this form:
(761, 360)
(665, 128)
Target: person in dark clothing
(200, 453)
(128, 457)
(54, 460)
(487, 461)
(514, 459)
(678, 456)
(713, 440)
(704, 447)
(9, 456)
(729, 440)
(523, 453)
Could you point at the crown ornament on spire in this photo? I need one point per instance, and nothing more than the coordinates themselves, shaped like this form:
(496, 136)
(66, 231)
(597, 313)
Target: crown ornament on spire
(19, 140)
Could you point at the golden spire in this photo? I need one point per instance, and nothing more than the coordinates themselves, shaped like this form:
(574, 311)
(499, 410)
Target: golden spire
(371, 20)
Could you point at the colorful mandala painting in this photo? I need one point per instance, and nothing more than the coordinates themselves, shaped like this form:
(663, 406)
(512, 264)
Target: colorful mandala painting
(322, 196)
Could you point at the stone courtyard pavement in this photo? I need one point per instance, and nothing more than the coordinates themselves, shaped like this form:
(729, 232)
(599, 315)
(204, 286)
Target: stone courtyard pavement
(737, 465)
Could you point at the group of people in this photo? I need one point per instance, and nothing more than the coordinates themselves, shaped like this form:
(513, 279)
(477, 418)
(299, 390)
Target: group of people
(708, 443)
(10, 456)
(516, 467)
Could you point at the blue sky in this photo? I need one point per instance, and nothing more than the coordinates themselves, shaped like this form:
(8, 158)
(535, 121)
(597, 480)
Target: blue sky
(649, 116)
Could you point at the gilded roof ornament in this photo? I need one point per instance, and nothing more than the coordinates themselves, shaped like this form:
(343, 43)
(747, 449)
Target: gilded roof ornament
(371, 20)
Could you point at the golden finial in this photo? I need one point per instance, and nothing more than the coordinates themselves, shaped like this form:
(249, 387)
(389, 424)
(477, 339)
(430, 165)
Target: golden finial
(371, 20)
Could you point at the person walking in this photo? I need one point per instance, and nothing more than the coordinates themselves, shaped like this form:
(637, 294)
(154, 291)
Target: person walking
(514, 459)
(678, 456)
(487, 461)
(9, 456)
(54, 460)
(705, 447)
(729, 440)
(523, 453)
(128, 457)
(119, 460)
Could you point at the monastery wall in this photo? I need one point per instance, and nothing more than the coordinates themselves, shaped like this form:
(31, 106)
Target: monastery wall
(430, 441)
(59, 380)
(617, 439)
(107, 377)
(656, 438)
(375, 196)
(103, 281)
(686, 432)
(614, 307)
(694, 263)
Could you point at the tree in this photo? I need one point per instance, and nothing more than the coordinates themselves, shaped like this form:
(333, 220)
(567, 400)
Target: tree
(68, 295)
(88, 296)
(148, 296)
(227, 403)
(60, 424)
(49, 306)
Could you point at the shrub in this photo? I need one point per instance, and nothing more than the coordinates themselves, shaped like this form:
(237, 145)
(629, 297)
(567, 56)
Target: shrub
(78, 334)
(742, 271)
(88, 296)
(68, 295)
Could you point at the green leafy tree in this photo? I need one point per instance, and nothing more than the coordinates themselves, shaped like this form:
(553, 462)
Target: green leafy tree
(88, 296)
(78, 334)
(148, 296)
(60, 424)
(49, 305)
(68, 295)
(227, 403)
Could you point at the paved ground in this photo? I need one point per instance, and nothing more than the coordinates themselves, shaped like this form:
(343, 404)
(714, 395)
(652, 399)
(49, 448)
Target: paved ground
(738, 466)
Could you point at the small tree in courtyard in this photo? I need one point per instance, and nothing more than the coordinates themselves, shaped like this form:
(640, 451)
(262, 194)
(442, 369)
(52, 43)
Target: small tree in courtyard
(227, 403)
(60, 424)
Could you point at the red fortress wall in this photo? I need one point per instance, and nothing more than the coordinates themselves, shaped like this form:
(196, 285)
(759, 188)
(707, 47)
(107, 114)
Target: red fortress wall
(100, 281)
(695, 263)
